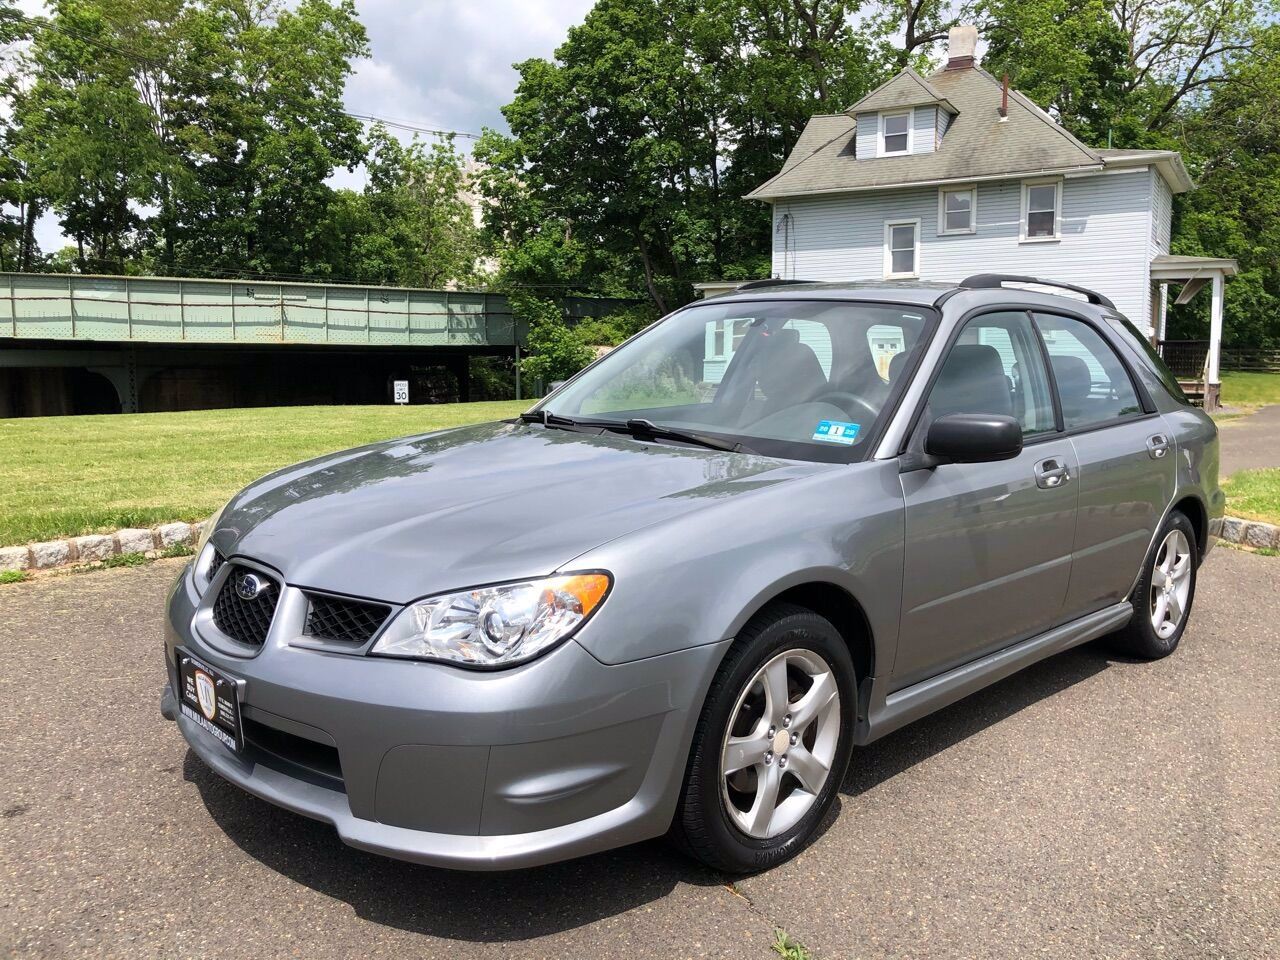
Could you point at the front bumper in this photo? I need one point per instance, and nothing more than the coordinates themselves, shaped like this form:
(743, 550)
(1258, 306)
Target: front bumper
(557, 758)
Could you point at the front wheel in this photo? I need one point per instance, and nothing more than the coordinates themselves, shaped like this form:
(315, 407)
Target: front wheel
(1163, 598)
(772, 743)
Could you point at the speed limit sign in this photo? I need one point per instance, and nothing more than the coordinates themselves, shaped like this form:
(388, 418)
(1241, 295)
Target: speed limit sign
(402, 391)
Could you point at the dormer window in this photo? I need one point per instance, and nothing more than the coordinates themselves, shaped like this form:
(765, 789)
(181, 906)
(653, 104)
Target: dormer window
(895, 133)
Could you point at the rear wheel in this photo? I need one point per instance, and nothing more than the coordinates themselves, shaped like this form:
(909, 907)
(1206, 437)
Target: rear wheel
(772, 743)
(1163, 598)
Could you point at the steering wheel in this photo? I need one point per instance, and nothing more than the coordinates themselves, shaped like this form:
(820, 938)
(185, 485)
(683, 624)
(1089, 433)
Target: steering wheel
(848, 401)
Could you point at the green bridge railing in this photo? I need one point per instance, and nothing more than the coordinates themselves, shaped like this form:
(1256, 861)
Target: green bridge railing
(187, 310)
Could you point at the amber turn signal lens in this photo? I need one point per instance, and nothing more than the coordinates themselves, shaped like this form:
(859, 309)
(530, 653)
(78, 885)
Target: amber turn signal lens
(588, 588)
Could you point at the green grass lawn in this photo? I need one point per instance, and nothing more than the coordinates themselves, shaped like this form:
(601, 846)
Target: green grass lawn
(1254, 494)
(1250, 390)
(64, 476)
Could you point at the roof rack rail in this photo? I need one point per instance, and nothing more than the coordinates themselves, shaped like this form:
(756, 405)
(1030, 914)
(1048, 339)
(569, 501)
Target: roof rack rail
(992, 281)
(757, 284)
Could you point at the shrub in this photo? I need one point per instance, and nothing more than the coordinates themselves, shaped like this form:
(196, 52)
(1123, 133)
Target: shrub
(555, 351)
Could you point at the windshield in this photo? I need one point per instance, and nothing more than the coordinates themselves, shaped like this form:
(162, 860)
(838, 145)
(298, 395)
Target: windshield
(801, 379)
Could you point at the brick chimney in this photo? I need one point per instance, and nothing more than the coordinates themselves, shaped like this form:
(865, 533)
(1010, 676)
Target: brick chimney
(962, 42)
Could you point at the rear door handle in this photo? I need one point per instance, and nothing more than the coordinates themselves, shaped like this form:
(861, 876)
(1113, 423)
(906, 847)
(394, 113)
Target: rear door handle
(1051, 473)
(1157, 446)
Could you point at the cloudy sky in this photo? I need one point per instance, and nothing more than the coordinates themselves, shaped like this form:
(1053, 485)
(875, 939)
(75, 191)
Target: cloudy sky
(441, 64)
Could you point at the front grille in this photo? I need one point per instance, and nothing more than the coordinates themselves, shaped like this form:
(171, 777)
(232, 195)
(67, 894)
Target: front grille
(246, 620)
(349, 621)
(216, 564)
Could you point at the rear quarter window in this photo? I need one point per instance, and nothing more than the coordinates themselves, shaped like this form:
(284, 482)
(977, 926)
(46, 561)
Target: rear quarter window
(1154, 367)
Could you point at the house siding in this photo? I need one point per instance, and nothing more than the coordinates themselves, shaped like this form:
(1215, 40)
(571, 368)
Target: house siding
(1105, 243)
(1161, 214)
(866, 135)
(940, 129)
(925, 134)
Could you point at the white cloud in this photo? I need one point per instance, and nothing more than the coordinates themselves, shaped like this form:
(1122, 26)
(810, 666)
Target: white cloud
(448, 65)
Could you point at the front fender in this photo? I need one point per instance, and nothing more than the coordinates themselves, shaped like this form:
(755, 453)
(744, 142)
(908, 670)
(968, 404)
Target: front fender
(698, 578)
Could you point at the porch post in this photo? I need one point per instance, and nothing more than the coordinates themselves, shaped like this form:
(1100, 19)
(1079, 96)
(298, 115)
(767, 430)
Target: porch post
(1213, 384)
(1164, 311)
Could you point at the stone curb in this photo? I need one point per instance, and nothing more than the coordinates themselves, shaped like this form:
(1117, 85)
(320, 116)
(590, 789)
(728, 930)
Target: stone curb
(98, 547)
(1250, 533)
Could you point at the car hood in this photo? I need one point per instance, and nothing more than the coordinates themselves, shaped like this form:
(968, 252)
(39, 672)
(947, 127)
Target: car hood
(399, 520)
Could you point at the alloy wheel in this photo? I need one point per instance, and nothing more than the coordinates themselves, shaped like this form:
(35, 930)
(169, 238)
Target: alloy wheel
(1170, 584)
(780, 743)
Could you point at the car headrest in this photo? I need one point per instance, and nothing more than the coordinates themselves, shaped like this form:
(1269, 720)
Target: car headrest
(972, 381)
(789, 370)
(1074, 381)
(896, 364)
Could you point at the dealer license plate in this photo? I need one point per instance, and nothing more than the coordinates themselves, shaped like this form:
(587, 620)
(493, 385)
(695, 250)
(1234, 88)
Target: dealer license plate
(210, 700)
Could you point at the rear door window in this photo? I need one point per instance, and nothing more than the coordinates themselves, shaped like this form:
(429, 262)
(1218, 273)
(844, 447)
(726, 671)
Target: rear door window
(1094, 386)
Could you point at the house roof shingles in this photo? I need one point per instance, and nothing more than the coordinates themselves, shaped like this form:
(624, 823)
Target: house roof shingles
(907, 89)
(978, 145)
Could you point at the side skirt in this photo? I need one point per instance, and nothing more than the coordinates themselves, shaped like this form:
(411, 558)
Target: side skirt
(890, 711)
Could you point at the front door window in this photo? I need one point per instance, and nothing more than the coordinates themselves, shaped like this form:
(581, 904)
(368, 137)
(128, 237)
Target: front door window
(996, 367)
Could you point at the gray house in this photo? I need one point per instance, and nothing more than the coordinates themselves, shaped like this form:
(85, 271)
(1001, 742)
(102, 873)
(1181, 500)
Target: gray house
(942, 177)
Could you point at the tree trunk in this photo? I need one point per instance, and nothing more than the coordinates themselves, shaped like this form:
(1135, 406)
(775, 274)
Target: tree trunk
(648, 275)
(166, 217)
(27, 244)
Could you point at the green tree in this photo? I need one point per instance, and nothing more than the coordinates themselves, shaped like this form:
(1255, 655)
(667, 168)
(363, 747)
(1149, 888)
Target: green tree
(653, 119)
(555, 351)
(83, 138)
(19, 208)
(262, 128)
(412, 225)
(1119, 70)
(189, 136)
(1235, 212)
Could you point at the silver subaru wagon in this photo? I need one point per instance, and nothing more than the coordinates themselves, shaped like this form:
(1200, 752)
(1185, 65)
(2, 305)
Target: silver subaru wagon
(676, 594)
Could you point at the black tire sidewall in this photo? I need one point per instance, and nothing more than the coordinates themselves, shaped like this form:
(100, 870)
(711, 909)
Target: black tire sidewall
(709, 831)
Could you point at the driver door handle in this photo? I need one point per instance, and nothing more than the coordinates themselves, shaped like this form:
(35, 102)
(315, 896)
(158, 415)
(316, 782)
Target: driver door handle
(1051, 473)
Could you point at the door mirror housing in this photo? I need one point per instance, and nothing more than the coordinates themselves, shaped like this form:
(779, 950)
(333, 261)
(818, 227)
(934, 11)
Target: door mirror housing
(974, 438)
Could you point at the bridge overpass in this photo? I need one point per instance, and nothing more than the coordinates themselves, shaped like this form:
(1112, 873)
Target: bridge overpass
(68, 342)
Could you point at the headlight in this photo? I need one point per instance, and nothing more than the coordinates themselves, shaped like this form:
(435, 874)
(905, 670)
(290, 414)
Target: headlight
(204, 550)
(495, 626)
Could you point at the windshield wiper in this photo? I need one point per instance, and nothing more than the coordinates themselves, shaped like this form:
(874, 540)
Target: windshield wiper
(549, 419)
(637, 426)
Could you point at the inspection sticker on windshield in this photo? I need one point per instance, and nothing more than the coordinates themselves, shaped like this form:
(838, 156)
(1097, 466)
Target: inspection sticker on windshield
(837, 431)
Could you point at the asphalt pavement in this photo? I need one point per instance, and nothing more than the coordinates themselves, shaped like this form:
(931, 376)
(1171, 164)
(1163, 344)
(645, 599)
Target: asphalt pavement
(1089, 807)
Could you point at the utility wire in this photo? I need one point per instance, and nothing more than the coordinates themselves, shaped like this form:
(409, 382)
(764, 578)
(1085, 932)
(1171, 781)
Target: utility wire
(413, 128)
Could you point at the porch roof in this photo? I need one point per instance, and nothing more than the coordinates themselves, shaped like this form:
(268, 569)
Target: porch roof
(1180, 269)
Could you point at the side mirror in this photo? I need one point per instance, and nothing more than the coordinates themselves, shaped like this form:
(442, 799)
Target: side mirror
(974, 438)
(556, 385)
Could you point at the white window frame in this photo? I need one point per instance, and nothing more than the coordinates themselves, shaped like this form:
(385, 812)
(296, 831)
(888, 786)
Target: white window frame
(972, 190)
(1056, 183)
(888, 252)
(910, 114)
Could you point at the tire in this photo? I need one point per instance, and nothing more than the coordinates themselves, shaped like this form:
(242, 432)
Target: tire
(1174, 547)
(717, 812)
